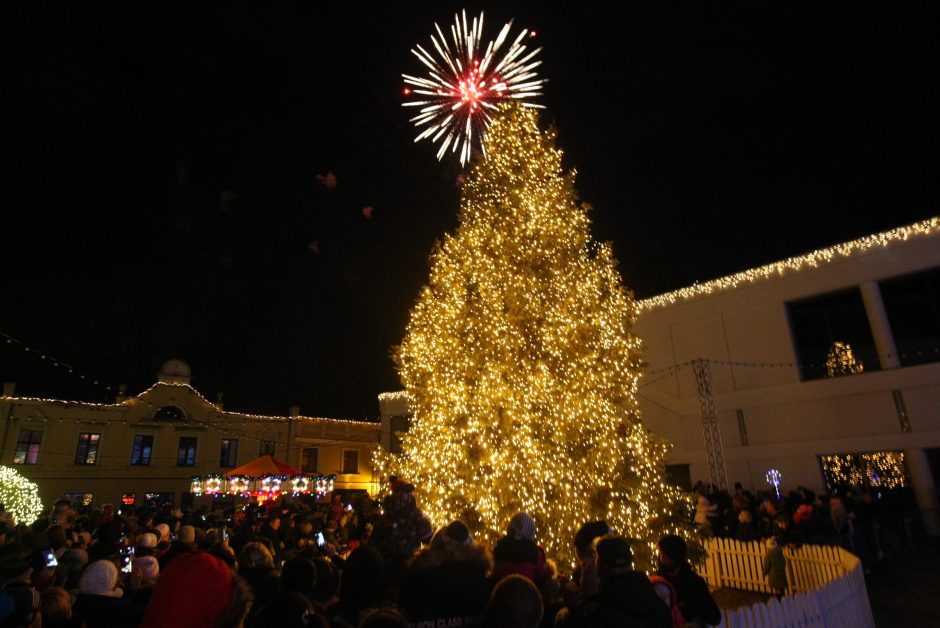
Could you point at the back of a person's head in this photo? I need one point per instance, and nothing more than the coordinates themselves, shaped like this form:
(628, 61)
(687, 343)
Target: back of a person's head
(255, 554)
(586, 534)
(362, 584)
(327, 580)
(197, 590)
(56, 606)
(289, 609)
(384, 618)
(514, 603)
(300, 575)
(614, 556)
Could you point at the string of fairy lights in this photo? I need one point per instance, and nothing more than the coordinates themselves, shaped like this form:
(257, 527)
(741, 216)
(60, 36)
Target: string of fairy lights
(814, 259)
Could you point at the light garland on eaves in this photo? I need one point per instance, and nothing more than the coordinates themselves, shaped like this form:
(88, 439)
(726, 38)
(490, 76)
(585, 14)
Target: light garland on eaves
(928, 227)
(19, 496)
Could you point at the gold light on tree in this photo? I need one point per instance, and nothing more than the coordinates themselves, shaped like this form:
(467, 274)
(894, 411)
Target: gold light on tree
(841, 360)
(522, 367)
(19, 496)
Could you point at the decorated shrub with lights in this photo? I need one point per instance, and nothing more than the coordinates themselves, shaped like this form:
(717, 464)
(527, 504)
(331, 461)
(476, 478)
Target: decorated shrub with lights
(522, 366)
(19, 496)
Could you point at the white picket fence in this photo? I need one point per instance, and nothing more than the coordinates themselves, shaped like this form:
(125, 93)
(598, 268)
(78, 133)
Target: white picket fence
(826, 586)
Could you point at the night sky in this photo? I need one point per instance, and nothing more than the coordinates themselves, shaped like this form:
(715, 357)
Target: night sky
(162, 195)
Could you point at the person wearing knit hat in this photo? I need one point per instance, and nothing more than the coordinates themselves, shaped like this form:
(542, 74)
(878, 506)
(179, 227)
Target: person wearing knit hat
(197, 590)
(145, 571)
(19, 607)
(164, 531)
(625, 597)
(522, 526)
(693, 598)
(187, 535)
(98, 595)
(517, 552)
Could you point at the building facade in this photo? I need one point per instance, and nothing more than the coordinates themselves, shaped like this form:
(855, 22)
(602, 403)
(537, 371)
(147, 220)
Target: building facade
(148, 447)
(823, 368)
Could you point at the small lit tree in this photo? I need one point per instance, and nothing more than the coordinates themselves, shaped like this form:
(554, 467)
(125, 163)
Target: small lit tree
(19, 496)
(841, 360)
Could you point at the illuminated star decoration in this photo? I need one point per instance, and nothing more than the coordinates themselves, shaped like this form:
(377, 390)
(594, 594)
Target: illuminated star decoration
(461, 89)
(773, 478)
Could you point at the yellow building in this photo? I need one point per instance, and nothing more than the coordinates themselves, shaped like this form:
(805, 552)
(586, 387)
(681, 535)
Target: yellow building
(150, 446)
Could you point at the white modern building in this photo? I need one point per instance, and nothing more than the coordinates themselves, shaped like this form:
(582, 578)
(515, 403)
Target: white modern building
(824, 367)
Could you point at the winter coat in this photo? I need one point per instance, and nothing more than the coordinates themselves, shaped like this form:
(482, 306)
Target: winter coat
(446, 585)
(625, 600)
(775, 568)
(519, 556)
(695, 601)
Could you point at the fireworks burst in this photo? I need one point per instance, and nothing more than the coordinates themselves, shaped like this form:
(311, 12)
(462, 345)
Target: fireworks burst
(463, 87)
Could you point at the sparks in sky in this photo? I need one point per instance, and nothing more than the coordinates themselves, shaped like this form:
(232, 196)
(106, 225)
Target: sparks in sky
(463, 87)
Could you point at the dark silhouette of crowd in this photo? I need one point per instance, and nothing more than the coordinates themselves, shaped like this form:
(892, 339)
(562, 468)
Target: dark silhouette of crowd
(867, 521)
(308, 562)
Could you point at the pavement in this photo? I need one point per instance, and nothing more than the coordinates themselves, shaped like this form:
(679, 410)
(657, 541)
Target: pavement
(903, 588)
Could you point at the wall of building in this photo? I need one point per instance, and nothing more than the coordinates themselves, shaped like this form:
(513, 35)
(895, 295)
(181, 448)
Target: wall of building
(744, 333)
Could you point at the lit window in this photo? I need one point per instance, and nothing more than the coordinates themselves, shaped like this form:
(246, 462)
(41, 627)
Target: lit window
(142, 450)
(832, 336)
(87, 450)
(186, 454)
(27, 447)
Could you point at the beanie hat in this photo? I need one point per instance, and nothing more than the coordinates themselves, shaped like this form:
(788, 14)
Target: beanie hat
(100, 578)
(522, 527)
(194, 591)
(147, 539)
(673, 547)
(459, 532)
(147, 567)
(164, 531)
(187, 534)
(614, 554)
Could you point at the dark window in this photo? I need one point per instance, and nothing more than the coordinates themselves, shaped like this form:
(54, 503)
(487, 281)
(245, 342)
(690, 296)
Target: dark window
(229, 453)
(142, 450)
(168, 413)
(913, 306)
(186, 454)
(267, 448)
(350, 461)
(27, 447)
(310, 459)
(832, 336)
(87, 450)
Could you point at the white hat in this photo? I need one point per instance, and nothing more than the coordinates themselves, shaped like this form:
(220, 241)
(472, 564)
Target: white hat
(100, 578)
(147, 539)
(147, 568)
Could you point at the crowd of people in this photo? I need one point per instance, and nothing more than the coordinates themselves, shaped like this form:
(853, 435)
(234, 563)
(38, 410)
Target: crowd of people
(300, 563)
(849, 517)
(305, 563)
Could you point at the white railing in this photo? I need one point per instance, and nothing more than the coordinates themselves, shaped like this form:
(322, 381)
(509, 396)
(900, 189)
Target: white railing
(826, 586)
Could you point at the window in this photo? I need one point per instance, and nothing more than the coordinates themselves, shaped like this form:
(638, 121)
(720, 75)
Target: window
(87, 450)
(27, 447)
(168, 413)
(142, 450)
(832, 336)
(310, 459)
(913, 306)
(186, 454)
(350, 461)
(876, 469)
(229, 453)
(267, 448)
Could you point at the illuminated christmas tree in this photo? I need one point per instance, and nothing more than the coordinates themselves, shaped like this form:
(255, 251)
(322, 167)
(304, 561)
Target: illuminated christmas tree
(522, 367)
